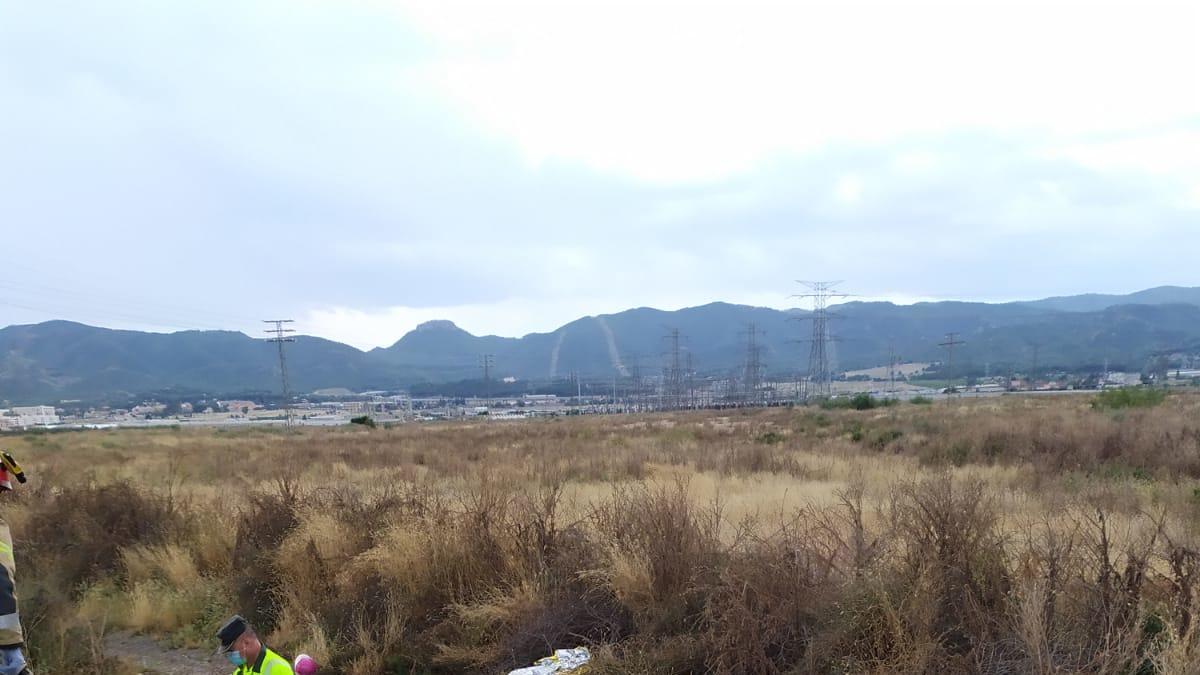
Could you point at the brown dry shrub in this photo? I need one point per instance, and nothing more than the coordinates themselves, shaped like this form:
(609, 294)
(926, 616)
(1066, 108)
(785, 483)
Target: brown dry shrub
(936, 601)
(263, 523)
(953, 548)
(399, 575)
(539, 594)
(766, 607)
(777, 597)
(662, 548)
(444, 548)
(79, 533)
(58, 641)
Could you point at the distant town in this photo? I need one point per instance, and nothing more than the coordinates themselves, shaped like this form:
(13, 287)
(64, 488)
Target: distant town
(334, 407)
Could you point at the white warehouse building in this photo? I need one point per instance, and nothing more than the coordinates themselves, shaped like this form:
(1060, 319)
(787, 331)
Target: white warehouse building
(34, 415)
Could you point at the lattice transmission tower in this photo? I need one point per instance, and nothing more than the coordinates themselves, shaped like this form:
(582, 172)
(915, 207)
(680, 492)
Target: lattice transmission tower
(486, 363)
(281, 338)
(673, 374)
(820, 356)
(752, 367)
(951, 342)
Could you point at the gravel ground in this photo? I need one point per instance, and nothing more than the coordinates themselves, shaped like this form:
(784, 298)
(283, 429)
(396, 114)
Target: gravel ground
(152, 657)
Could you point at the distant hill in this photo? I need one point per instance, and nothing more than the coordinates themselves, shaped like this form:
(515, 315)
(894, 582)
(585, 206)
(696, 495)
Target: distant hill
(598, 345)
(62, 359)
(1094, 302)
(65, 360)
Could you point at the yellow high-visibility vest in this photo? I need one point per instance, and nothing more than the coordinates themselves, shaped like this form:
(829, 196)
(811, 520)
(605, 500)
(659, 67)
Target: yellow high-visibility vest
(267, 663)
(10, 621)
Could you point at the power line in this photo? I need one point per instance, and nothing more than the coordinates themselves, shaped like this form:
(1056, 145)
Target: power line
(119, 304)
(99, 315)
(280, 338)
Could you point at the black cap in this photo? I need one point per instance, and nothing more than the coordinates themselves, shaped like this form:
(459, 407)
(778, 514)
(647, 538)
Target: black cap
(231, 631)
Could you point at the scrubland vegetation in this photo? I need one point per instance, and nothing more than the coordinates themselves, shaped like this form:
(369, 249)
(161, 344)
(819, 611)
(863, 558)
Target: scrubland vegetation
(1015, 535)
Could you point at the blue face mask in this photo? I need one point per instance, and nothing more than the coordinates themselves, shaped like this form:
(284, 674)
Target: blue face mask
(235, 658)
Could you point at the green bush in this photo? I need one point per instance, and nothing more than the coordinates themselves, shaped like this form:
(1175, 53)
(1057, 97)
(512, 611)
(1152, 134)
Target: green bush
(920, 400)
(856, 402)
(856, 431)
(863, 402)
(770, 438)
(364, 420)
(1128, 397)
(880, 439)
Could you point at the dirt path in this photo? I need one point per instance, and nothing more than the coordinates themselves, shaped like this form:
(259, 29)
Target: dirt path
(152, 657)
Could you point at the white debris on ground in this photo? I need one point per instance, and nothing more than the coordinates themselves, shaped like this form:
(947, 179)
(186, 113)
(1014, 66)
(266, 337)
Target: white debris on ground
(562, 661)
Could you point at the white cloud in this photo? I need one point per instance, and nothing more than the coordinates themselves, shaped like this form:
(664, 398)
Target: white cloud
(1157, 151)
(848, 189)
(668, 92)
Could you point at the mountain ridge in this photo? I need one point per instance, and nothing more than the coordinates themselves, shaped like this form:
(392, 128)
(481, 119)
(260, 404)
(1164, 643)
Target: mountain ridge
(62, 359)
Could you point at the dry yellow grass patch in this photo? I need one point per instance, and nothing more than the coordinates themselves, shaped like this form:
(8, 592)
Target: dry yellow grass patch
(911, 538)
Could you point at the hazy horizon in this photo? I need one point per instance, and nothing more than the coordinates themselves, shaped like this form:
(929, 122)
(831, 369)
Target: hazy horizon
(365, 167)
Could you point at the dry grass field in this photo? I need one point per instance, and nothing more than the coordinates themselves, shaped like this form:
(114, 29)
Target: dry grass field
(1013, 535)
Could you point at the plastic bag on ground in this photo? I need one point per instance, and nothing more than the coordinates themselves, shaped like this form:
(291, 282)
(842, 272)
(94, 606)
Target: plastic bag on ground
(562, 661)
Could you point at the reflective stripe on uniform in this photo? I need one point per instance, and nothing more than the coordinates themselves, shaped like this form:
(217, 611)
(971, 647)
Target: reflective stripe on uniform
(10, 621)
(269, 663)
(8, 594)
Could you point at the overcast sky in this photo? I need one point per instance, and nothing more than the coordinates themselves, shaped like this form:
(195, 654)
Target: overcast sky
(365, 166)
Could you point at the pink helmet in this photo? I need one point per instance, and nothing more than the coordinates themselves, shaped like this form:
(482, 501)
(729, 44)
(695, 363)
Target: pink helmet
(305, 665)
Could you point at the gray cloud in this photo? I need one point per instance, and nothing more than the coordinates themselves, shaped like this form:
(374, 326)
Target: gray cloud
(226, 161)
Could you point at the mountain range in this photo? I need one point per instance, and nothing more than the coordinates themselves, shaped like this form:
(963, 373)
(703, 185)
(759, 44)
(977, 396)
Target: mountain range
(59, 360)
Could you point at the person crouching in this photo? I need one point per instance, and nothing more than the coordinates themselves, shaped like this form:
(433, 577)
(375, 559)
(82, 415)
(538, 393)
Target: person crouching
(240, 644)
